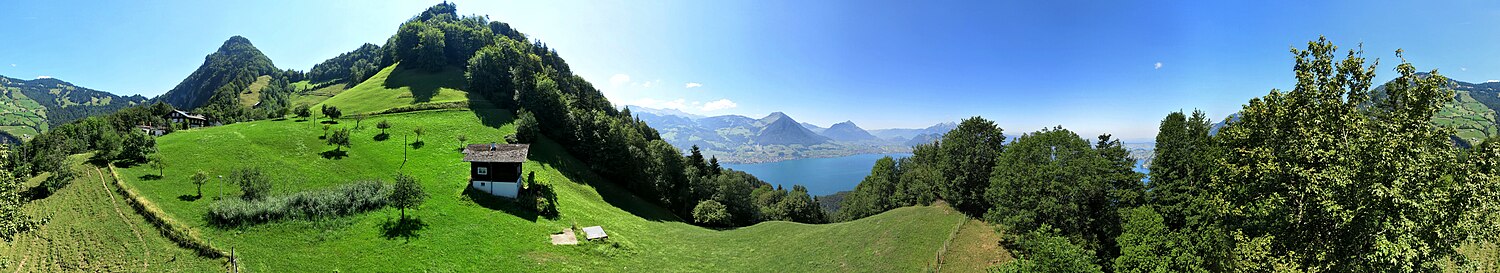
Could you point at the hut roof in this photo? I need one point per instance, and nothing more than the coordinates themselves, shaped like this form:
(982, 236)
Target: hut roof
(491, 152)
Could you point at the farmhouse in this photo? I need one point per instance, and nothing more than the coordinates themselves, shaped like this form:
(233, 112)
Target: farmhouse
(189, 120)
(496, 168)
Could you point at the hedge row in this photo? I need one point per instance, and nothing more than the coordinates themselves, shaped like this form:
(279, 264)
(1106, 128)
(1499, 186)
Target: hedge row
(344, 200)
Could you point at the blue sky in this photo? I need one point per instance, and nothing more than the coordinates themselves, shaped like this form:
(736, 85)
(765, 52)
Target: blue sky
(1091, 66)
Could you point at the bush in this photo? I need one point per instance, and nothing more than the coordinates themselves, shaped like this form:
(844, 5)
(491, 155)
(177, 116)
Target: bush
(526, 127)
(345, 200)
(539, 196)
(1044, 250)
(711, 213)
(252, 182)
(59, 179)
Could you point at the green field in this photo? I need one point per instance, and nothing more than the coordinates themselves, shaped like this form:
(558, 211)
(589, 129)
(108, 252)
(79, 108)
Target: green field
(1469, 119)
(395, 86)
(251, 95)
(316, 96)
(93, 229)
(461, 235)
(20, 116)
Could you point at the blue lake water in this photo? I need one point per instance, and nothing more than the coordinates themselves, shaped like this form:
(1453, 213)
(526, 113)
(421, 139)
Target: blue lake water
(821, 176)
(824, 176)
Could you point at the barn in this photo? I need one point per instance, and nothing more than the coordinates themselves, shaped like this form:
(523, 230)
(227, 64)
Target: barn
(496, 168)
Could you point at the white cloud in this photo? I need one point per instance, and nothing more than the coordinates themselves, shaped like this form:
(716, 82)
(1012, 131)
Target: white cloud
(12, 65)
(720, 104)
(694, 85)
(649, 84)
(1158, 65)
(678, 104)
(619, 79)
(1463, 69)
(43, 77)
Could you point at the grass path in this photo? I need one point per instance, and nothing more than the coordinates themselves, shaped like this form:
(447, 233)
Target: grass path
(115, 202)
(975, 247)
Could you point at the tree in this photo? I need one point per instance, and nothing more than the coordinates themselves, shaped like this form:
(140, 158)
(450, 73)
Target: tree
(1043, 250)
(254, 185)
(1055, 178)
(199, 179)
(13, 221)
(339, 139)
(418, 130)
(384, 124)
(526, 127)
(325, 131)
(970, 151)
(1332, 179)
(359, 118)
(156, 161)
(711, 213)
(873, 195)
(137, 147)
(332, 112)
(407, 194)
(462, 140)
(489, 70)
(302, 111)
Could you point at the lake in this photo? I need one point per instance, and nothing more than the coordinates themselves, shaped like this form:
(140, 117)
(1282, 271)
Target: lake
(821, 176)
(824, 176)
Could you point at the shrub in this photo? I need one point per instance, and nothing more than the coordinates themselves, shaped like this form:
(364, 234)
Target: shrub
(252, 182)
(526, 127)
(344, 200)
(711, 213)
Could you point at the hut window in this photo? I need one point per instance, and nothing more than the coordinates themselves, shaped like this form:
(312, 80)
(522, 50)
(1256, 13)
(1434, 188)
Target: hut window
(482, 171)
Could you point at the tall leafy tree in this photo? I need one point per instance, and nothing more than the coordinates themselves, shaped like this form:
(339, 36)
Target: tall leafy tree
(969, 155)
(1337, 182)
(407, 193)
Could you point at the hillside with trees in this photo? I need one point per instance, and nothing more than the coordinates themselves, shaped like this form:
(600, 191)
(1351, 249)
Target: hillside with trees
(216, 87)
(29, 107)
(1325, 177)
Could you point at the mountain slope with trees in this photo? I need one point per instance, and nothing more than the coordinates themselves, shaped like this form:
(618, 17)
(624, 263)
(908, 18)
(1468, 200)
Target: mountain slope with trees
(29, 107)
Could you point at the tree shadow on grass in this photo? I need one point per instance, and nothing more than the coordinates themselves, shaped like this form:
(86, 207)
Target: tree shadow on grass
(548, 152)
(189, 198)
(488, 113)
(424, 84)
(418, 144)
(509, 206)
(150, 177)
(335, 154)
(34, 193)
(382, 137)
(330, 122)
(404, 228)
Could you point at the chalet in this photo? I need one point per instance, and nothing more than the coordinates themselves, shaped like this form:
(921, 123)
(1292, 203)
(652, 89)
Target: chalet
(496, 168)
(189, 120)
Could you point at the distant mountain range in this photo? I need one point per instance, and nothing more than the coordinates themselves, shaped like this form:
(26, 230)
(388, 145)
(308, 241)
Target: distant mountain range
(29, 107)
(777, 136)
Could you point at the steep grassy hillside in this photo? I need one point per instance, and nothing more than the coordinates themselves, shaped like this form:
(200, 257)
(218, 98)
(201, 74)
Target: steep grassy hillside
(316, 96)
(459, 234)
(94, 229)
(1472, 121)
(251, 96)
(396, 86)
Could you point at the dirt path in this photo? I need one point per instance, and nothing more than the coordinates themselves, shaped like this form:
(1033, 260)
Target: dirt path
(113, 199)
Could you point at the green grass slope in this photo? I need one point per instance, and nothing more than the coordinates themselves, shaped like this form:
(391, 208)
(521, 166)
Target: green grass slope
(94, 229)
(251, 96)
(309, 96)
(396, 86)
(1470, 119)
(459, 234)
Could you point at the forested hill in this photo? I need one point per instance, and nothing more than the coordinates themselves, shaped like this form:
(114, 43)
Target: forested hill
(28, 107)
(236, 62)
(1471, 114)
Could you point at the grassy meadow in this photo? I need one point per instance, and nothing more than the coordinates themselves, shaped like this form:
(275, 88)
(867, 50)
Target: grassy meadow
(93, 229)
(455, 231)
(396, 86)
